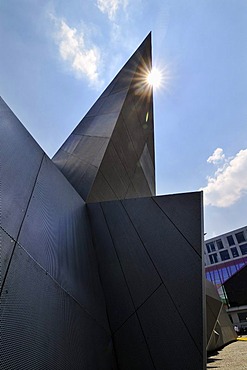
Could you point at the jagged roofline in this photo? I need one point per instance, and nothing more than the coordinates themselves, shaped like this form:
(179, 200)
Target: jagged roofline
(87, 150)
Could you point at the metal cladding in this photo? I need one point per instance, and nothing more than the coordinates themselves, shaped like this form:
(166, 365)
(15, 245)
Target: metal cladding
(151, 273)
(89, 278)
(110, 154)
(52, 310)
(236, 288)
(219, 327)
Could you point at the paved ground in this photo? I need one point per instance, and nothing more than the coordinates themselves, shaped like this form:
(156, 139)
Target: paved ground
(231, 357)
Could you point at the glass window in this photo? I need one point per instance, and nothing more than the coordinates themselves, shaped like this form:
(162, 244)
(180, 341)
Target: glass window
(224, 255)
(233, 269)
(243, 248)
(219, 244)
(210, 247)
(213, 258)
(240, 237)
(224, 274)
(230, 240)
(234, 252)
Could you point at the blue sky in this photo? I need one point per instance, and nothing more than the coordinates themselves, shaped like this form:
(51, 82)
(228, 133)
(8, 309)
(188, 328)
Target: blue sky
(57, 57)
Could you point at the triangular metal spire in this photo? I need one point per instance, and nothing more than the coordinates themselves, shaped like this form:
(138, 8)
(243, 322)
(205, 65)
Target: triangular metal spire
(110, 154)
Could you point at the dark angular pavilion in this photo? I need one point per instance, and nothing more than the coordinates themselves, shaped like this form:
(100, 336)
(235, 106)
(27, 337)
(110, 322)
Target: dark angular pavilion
(96, 271)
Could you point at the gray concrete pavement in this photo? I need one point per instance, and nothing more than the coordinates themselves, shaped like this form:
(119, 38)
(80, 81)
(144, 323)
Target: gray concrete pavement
(231, 357)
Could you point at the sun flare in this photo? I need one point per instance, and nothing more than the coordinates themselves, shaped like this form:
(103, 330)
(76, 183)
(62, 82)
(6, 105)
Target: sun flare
(154, 78)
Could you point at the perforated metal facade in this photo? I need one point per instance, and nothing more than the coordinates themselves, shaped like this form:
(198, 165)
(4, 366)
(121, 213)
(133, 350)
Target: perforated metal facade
(88, 283)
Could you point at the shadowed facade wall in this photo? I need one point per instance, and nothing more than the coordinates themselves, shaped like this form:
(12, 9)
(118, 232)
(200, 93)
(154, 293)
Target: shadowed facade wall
(151, 270)
(52, 306)
(236, 288)
(219, 327)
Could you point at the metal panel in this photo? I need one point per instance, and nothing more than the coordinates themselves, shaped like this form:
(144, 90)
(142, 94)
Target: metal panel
(118, 299)
(109, 88)
(89, 147)
(150, 144)
(124, 78)
(122, 142)
(42, 327)
(179, 265)
(113, 102)
(219, 327)
(175, 306)
(101, 190)
(95, 108)
(148, 168)
(236, 288)
(170, 343)
(20, 161)
(143, 103)
(185, 211)
(213, 307)
(7, 245)
(100, 125)
(131, 193)
(140, 273)
(140, 183)
(131, 121)
(86, 181)
(227, 332)
(60, 158)
(71, 143)
(127, 91)
(80, 174)
(74, 169)
(131, 348)
(114, 172)
(57, 235)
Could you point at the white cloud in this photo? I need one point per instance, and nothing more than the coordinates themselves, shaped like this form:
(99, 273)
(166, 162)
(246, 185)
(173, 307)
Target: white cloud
(229, 183)
(217, 156)
(110, 7)
(82, 58)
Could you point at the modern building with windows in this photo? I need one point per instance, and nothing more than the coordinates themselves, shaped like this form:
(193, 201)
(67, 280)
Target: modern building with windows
(226, 266)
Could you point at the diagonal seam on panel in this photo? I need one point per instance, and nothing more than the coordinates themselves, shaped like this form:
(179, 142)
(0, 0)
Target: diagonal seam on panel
(54, 280)
(130, 182)
(215, 323)
(24, 216)
(61, 169)
(141, 61)
(168, 292)
(110, 141)
(137, 308)
(109, 231)
(127, 286)
(180, 232)
(127, 130)
(107, 184)
(210, 309)
(106, 309)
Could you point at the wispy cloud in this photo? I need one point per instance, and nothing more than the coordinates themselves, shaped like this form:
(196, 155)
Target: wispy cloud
(110, 7)
(82, 56)
(229, 182)
(217, 156)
